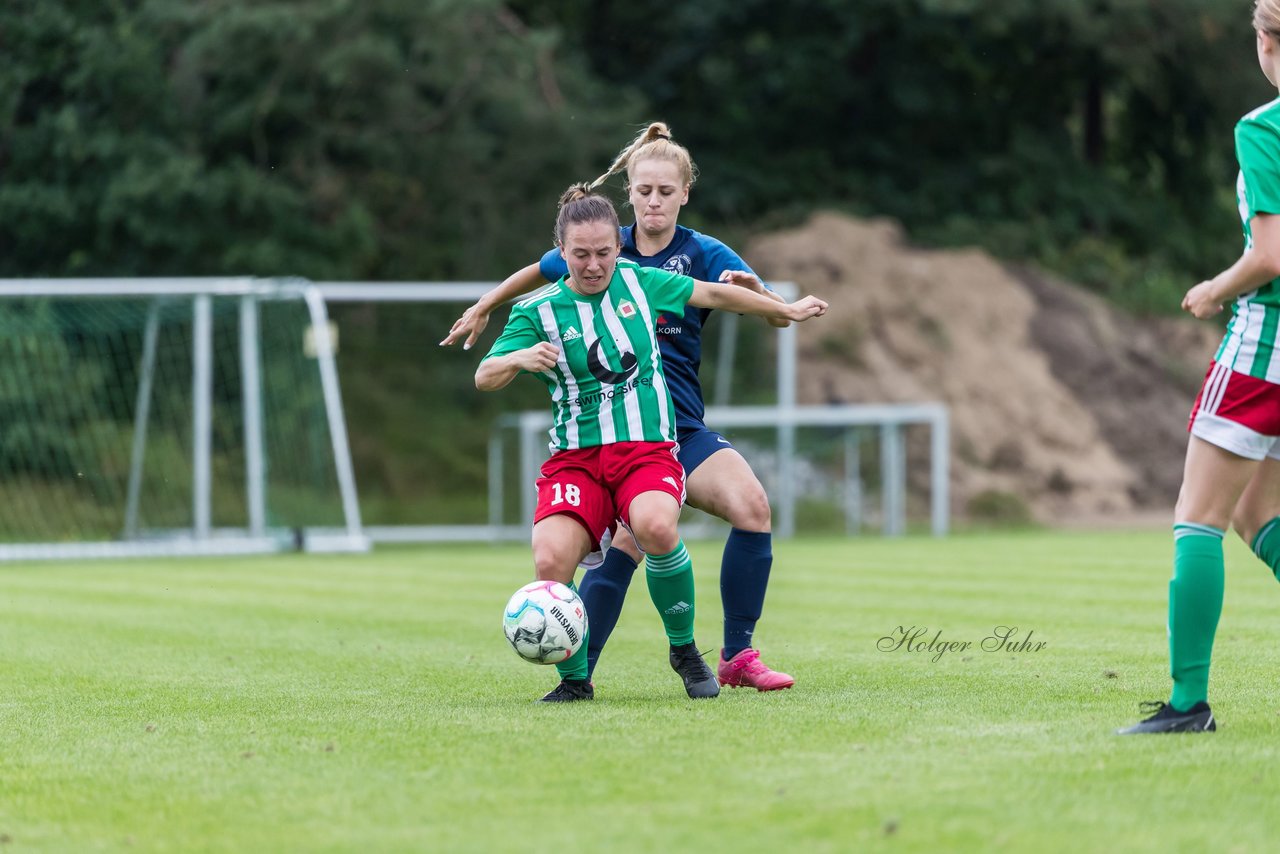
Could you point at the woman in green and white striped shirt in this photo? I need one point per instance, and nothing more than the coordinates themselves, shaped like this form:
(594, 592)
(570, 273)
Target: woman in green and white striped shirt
(590, 337)
(1232, 470)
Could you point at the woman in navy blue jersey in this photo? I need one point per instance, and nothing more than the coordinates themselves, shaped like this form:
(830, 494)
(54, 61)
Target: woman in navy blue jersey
(719, 481)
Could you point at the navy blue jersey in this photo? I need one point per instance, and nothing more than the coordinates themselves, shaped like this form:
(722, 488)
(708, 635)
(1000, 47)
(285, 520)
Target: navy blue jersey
(679, 338)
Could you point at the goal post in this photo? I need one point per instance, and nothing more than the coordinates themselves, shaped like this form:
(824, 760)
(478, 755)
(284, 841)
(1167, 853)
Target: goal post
(175, 416)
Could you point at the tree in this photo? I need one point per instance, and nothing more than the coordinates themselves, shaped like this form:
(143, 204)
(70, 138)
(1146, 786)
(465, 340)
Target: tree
(331, 139)
(1094, 136)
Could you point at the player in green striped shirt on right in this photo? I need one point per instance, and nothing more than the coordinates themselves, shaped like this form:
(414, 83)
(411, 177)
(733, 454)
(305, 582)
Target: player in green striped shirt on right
(1232, 470)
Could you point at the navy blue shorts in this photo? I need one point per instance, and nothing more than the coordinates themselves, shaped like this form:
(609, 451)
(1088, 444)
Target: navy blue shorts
(698, 443)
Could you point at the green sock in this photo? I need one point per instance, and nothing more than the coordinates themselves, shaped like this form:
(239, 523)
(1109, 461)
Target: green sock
(670, 578)
(1266, 545)
(575, 666)
(1195, 603)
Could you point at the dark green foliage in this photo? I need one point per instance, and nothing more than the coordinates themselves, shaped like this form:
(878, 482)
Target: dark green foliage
(40, 423)
(399, 139)
(382, 139)
(1093, 136)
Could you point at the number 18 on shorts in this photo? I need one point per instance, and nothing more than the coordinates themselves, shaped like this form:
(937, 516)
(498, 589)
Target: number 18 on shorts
(596, 485)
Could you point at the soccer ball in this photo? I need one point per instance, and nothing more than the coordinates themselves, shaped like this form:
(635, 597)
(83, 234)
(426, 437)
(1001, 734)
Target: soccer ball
(545, 622)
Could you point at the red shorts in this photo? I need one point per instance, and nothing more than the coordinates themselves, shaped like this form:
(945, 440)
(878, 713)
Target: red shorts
(597, 485)
(1238, 413)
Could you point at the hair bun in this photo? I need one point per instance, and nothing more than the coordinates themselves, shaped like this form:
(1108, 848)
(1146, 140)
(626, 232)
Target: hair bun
(576, 191)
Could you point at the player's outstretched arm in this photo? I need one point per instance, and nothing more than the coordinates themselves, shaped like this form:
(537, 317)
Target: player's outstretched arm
(743, 301)
(499, 371)
(751, 281)
(476, 318)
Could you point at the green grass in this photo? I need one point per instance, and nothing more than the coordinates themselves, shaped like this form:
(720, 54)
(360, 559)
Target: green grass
(369, 703)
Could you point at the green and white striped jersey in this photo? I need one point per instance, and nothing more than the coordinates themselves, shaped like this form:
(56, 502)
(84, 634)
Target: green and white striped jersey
(607, 385)
(1249, 346)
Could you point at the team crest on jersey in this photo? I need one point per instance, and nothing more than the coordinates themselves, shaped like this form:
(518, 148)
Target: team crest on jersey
(681, 264)
(626, 309)
(601, 370)
(571, 334)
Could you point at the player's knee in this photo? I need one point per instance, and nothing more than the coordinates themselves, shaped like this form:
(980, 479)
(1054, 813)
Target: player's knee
(656, 534)
(551, 559)
(1201, 508)
(751, 511)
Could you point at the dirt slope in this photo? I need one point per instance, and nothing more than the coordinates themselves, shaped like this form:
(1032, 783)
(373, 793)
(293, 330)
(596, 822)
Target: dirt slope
(1056, 398)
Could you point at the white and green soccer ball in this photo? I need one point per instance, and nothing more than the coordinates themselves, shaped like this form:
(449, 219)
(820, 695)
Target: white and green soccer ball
(545, 622)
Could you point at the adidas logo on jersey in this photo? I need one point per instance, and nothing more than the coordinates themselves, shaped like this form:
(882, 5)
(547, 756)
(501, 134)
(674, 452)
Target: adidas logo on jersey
(680, 607)
(571, 334)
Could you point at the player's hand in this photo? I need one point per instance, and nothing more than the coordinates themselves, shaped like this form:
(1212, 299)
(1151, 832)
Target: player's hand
(743, 279)
(1201, 302)
(803, 309)
(538, 358)
(471, 324)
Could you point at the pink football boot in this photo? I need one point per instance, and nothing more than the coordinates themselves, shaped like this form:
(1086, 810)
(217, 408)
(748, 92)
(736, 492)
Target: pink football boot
(746, 670)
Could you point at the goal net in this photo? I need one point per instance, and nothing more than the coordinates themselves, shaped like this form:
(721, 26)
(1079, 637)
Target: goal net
(169, 417)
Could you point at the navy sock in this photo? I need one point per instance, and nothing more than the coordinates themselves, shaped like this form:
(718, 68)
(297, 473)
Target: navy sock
(603, 590)
(744, 577)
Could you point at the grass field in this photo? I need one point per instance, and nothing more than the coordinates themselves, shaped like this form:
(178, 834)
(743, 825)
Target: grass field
(307, 703)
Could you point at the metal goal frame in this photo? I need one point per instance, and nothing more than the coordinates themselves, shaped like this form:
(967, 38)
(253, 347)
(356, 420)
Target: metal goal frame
(202, 538)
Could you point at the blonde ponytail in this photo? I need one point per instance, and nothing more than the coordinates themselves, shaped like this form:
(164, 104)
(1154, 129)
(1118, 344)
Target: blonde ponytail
(1266, 16)
(654, 142)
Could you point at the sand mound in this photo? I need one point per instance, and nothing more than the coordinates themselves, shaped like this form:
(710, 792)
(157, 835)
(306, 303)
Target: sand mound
(1056, 398)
